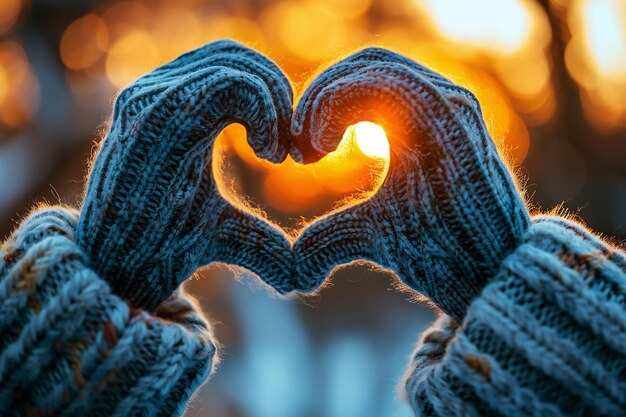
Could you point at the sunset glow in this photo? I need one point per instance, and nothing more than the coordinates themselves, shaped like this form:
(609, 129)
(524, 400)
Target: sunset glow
(371, 139)
(497, 49)
(503, 25)
(354, 170)
(596, 59)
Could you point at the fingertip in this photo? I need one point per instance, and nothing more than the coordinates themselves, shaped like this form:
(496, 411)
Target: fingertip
(245, 240)
(312, 126)
(225, 44)
(264, 133)
(373, 53)
(267, 145)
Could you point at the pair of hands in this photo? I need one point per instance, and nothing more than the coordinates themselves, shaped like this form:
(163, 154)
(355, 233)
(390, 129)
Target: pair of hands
(443, 220)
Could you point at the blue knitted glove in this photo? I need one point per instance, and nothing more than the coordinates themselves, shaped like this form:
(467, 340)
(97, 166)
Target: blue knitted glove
(152, 212)
(69, 347)
(448, 212)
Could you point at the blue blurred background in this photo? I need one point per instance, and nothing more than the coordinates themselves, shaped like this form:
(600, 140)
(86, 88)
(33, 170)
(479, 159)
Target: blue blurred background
(340, 353)
(550, 75)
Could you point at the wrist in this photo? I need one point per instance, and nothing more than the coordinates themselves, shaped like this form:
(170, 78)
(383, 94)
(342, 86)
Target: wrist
(544, 337)
(79, 347)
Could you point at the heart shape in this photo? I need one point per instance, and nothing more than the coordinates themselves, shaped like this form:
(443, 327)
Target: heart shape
(153, 211)
(292, 195)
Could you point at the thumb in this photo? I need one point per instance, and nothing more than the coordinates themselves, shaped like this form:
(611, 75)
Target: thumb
(150, 200)
(243, 239)
(333, 240)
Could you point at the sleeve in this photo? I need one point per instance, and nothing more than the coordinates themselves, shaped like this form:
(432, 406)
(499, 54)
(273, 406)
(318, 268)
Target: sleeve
(70, 347)
(545, 337)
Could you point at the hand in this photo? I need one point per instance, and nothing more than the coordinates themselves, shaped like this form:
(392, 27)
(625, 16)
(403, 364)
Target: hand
(447, 213)
(152, 213)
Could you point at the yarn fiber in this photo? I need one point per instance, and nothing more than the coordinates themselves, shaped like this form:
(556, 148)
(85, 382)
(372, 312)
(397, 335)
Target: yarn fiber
(546, 337)
(70, 347)
(152, 209)
(447, 213)
(91, 324)
(535, 310)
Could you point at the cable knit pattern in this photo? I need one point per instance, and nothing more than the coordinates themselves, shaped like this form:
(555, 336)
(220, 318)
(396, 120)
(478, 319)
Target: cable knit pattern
(546, 337)
(152, 210)
(536, 311)
(70, 347)
(448, 211)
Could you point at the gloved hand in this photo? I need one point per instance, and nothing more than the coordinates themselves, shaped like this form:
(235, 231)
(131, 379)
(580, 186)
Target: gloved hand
(69, 347)
(152, 213)
(448, 212)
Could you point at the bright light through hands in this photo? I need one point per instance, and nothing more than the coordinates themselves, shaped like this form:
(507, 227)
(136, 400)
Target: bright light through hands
(371, 139)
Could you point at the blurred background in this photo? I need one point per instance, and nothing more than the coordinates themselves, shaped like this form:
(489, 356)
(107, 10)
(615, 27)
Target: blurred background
(551, 77)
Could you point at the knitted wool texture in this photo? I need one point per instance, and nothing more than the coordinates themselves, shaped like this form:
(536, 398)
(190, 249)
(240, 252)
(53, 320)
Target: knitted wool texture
(546, 337)
(542, 320)
(69, 347)
(448, 212)
(152, 210)
(537, 310)
(446, 215)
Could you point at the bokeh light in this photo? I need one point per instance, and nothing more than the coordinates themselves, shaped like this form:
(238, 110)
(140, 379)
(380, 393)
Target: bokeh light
(503, 61)
(596, 58)
(503, 26)
(498, 49)
(9, 12)
(84, 42)
(537, 67)
(296, 27)
(131, 56)
(19, 92)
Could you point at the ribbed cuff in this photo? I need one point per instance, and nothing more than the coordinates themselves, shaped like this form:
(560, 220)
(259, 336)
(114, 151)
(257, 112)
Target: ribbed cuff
(547, 337)
(69, 346)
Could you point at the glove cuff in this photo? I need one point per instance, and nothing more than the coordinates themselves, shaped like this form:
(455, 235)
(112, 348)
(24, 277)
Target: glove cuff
(546, 337)
(69, 345)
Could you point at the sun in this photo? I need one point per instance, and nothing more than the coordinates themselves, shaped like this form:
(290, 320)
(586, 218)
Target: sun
(372, 140)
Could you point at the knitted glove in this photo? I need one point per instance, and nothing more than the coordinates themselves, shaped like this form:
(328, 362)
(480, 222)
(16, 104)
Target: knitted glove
(152, 212)
(69, 347)
(545, 338)
(448, 212)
